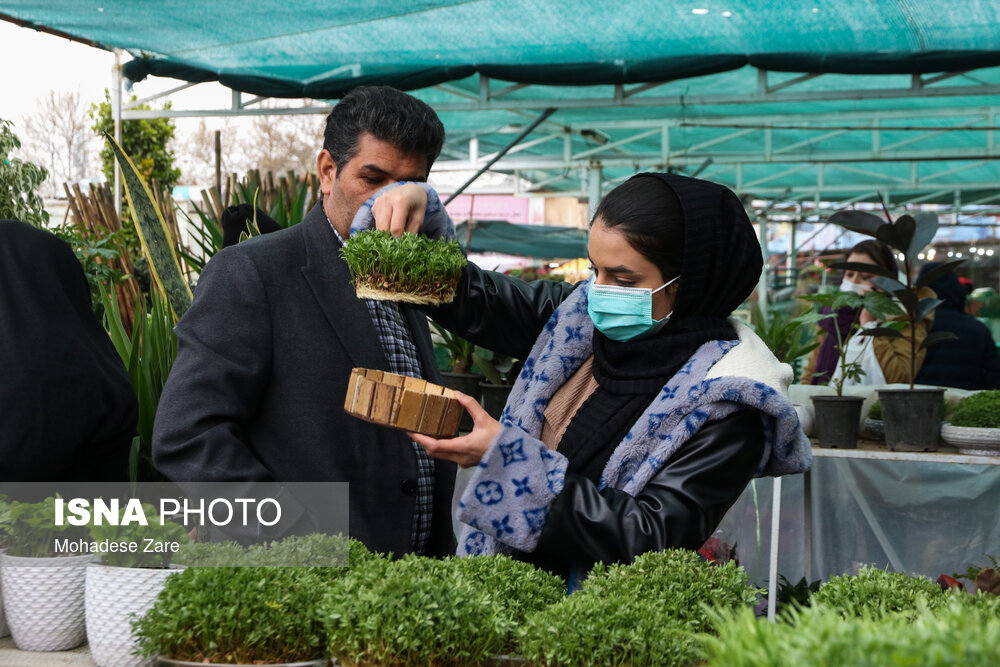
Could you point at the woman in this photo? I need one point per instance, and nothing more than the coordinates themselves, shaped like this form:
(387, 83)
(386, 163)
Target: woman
(883, 359)
(69, 411)
(641, 412)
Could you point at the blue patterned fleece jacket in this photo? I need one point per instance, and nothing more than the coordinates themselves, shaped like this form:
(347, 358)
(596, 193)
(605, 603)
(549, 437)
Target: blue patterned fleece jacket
(507, 500)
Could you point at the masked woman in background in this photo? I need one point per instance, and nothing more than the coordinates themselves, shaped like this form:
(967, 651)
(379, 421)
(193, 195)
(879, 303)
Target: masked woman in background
(642, 410)
(67, 408)
(884, 360)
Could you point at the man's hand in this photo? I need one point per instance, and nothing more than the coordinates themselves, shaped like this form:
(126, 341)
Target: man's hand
(401, 209)
(467, 450)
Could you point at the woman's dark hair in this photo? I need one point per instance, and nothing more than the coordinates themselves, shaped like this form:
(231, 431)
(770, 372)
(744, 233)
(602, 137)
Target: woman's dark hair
(880, 253)
(649, 214)
(387, 114)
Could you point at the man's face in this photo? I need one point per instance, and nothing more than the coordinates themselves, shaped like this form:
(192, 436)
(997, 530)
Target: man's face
(376, 165)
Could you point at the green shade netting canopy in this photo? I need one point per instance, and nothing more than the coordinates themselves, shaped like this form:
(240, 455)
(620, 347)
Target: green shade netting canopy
(322, 49)
(542, 242)
(869, 122)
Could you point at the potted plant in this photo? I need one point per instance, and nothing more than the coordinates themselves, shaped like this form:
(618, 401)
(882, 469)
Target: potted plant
(414, 611)
(973, 426)
(652, 612)
(42, 588)
(412, 268)
(874, 426)
(789, 339)
(460, 358)
(235, 616)
(838, 417)
(126, 584)
(912, 416)
(500, 370)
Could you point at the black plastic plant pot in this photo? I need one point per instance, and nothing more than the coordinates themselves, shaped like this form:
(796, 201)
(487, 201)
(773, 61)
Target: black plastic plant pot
(837, 420)
(468, 384)
(912, 418)
(494, 397)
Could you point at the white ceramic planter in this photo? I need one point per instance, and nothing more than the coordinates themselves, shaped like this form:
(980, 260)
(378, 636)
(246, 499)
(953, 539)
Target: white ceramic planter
(43, 600)
(4, 629)
(112, 595)
(970, 440)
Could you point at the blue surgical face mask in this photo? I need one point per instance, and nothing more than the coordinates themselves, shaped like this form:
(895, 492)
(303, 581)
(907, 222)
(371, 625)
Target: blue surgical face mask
(624, 313)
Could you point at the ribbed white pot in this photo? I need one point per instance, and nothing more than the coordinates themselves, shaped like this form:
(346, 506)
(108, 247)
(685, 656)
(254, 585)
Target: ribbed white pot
(113, 594)
(43, 600)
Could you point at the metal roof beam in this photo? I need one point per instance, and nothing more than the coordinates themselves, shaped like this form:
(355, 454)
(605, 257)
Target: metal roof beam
(617, 98)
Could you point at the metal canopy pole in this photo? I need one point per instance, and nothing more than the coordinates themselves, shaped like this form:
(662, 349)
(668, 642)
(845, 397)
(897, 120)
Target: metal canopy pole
(538, 121)
(594, 177)
(762, 283)
(116, 111)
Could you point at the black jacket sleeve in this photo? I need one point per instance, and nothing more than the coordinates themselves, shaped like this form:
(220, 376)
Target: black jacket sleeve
(499, 312)
(679, 507)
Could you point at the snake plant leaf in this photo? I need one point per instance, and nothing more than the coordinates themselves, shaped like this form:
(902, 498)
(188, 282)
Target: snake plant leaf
(153, 235)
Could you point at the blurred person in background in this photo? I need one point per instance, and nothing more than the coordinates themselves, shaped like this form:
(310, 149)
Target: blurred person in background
(68, 411)
(968, 362)
(884, 360)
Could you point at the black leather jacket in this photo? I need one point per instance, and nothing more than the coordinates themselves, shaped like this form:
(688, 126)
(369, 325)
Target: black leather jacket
(679, 507)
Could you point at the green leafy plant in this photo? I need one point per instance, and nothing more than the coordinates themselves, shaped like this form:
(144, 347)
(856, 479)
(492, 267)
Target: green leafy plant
(148, 354)
(154, 235)
(651, 612)
(908, 235)
(411, 268)
(980, 410)
(32, 531)
(878, 304)
(875, 593)
(797, 595)
(19, 182)
(206, 236)
(229, 615)
(788, 339)
(147, 554)
(414, 611)
(147, 141)
(518, 589)
(585, 630)
(499, 369)
(677, 578)
(212, 554)
(957, 633)
(875, 412)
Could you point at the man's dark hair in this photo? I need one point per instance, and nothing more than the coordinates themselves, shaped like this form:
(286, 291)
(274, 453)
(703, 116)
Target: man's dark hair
(389, 115)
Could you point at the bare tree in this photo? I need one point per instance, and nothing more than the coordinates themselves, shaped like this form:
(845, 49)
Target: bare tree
(195, 150)
(279, 143)
(58, 136)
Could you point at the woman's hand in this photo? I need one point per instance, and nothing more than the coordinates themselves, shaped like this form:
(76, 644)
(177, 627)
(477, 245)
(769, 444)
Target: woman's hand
(401, 209)
(467, 450)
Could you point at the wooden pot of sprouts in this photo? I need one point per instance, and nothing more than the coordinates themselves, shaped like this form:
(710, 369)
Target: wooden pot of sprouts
(411, 268)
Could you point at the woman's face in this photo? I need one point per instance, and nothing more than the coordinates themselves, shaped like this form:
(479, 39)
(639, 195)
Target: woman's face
(859, 277)
(615, 262)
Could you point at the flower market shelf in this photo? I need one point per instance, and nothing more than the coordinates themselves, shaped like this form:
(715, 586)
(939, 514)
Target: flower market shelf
(868, 450)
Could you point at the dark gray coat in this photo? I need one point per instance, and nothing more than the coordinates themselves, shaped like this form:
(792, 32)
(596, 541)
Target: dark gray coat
(257, 391)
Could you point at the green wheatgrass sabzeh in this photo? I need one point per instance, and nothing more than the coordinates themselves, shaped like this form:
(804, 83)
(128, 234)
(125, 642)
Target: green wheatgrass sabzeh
(411, 268)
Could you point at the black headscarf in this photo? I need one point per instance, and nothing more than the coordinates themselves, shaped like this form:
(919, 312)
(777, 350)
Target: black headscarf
(67, 408)
(721, 265)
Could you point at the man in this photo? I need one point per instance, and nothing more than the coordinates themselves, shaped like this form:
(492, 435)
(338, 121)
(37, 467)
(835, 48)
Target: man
(968, 361)
(265, 351)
